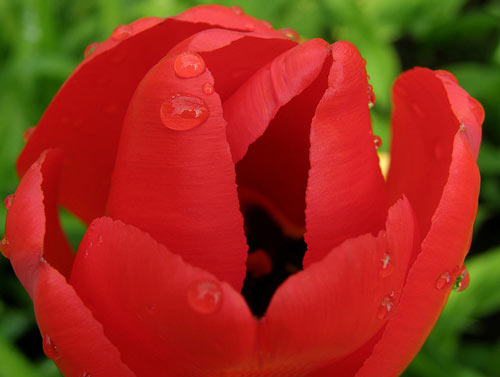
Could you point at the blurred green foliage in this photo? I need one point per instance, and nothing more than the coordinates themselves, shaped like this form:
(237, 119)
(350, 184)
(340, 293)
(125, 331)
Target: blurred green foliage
(41, 41)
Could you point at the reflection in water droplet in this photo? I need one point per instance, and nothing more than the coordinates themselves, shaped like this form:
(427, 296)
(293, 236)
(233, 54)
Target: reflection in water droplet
(290, 33)
(121, 32)
(443, 280)
(386, 265)
(236, 9)
(4, 245)
(208, 88)
(8, 201)
(371, 97)
(89, 50)
(462, 281)
(189, 64)
(385, 307)
(50, 348)
(27, 134)
(205, 296)
(377, 141)
(183, 112)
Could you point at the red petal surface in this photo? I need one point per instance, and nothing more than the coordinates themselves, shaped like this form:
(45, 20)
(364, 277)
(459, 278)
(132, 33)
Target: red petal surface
(423, 126)
(443, 251)
(334, 307)
(346, 191)
(75, 348)
(179, 186)
(165, 316)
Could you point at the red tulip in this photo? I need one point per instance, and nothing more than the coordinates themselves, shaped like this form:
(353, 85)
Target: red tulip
(166, 130)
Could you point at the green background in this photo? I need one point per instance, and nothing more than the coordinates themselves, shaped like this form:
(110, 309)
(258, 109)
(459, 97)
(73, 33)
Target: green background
(41, 42)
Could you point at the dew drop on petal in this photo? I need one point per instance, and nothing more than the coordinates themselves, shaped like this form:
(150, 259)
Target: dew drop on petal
(189, 64)
(121, 32)
(386, 265)
(462, 281)
(267, 24)
(50, 348)
(8, 201)
(237, 10)
(371, 97)
(89, 50)
(462, 127)
(290, 33)
(443, 281)
(4, 245)
(182, 112)
(27, 134)
(205, 296)
(377, 141)
(85, 374)
(385, 307)
(208, 88)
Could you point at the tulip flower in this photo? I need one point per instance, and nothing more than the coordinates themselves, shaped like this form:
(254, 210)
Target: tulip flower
(168, 138)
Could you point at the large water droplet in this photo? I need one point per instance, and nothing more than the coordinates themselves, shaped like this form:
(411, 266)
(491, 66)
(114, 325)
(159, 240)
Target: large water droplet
(371, 96)
(89, 50)
(385, 307)
(50, 348)
(121, 32)
(189, 64)
(290, 33)
(205, 296)
(4, 245)
(462, 281)
(386, 265)
(237, 10)
(443, 281)
(27, 134)
(183, 112)
(377, 141)
(8, 201)
(208, 88)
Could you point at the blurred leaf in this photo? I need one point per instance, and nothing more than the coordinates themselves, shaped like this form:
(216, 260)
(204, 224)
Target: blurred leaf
(14, 363)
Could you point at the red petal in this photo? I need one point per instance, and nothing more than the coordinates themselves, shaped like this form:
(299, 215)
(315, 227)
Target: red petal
(30, 231)
(468, 111)
(229, 18)
(152, 307)
(179, 186)
(334, 307)
(443, 250)
(423, 129)
(85, 117)
(346, 191)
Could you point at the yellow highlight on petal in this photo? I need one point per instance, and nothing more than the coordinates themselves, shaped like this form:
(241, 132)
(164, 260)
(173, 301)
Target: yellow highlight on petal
(384, 160)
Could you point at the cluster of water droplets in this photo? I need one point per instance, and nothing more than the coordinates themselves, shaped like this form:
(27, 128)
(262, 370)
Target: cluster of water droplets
(385, 269)
(458, 279)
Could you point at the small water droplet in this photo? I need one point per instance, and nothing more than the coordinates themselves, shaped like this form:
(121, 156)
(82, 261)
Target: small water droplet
(208, 88)
(386, 265)
(27, 134)
(50, 348)
(85, 374)
(385, 307)
(189, 64)
(267, 24)
(121, 32)
(443, 280)
(237, 10)
(290, 33)
(8, 201)
(183, 112)
(462, 127)
(205, 296)
(371, 97)
(86, 252)
(100, 240)
(89, 50)
(462, 281)
(4, 245)
(377, 141)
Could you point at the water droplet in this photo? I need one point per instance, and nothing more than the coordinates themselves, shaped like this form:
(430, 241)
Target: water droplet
(385, 307)
(267, 24)
(121, 32)
(205, 296)
(100, 240)
(462, 281)
(189, 64)
(371, 97)
(386, 265)
(237, 10)
(8, 201)
(208, 88)
(377, 141)
(290, 33)
(85, 374)
(183, 112)
(443, 280)
(462, 127)
(50, 348)
(4, 245)
(27, 134)
(89, 50)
